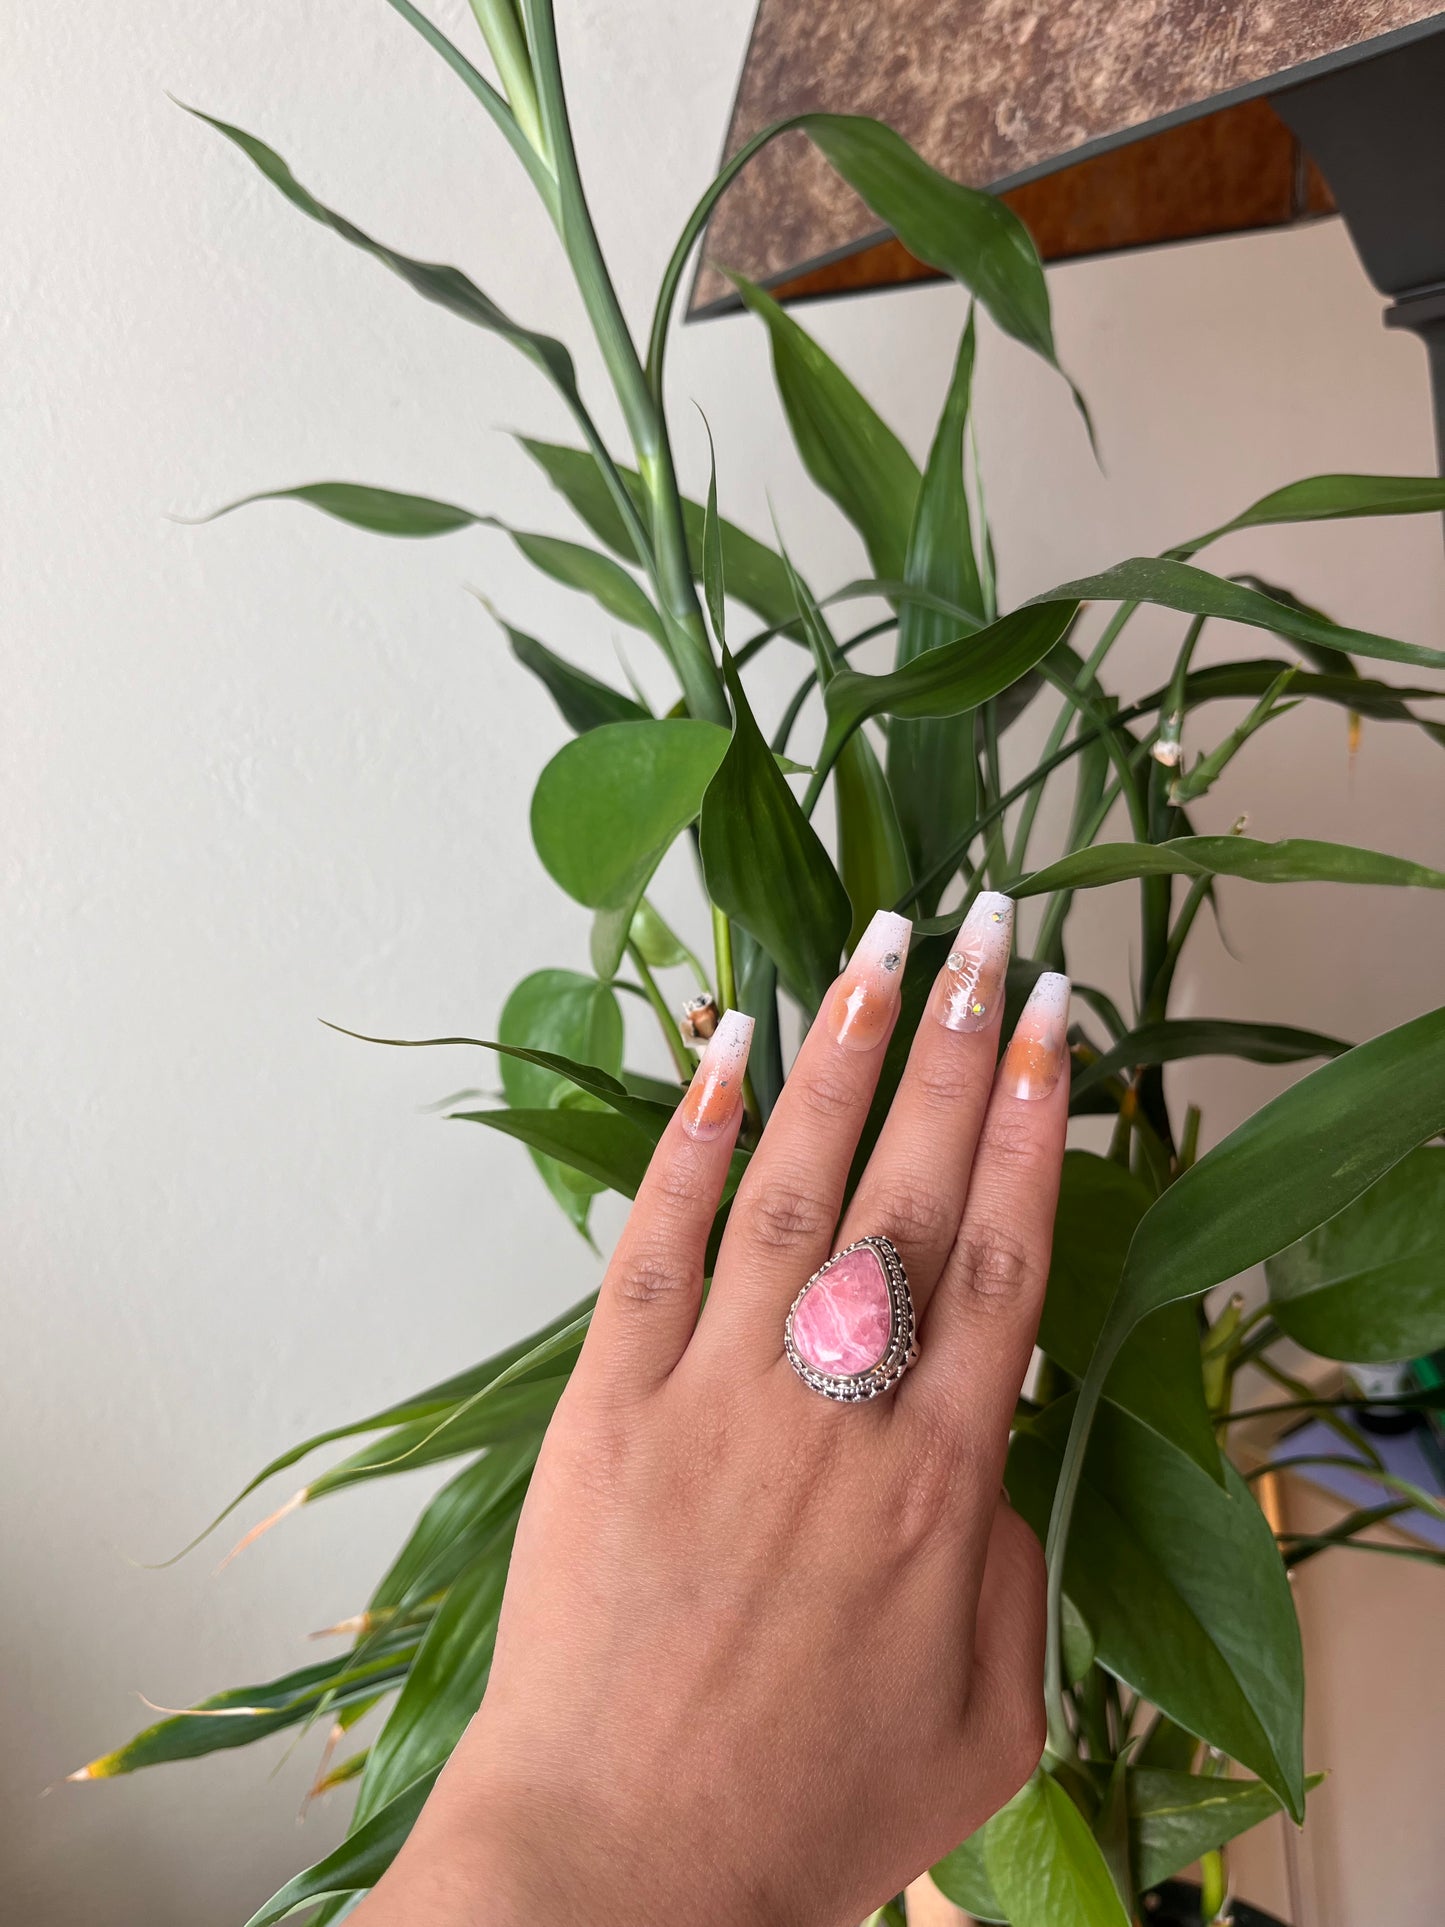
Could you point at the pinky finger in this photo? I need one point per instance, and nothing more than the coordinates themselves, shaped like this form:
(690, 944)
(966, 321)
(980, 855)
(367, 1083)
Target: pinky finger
(649, 1301)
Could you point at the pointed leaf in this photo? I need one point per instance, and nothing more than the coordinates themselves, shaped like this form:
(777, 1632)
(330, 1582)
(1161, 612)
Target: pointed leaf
(444, 1687)
(572, 1016)
(1046, 1866)
(457, 1525)
(1182, 1585)
(585, 702)
(1175, 1817)
(764, 864)
(1175, 585)
(1174, 1038)
(951, 678)
(932, 763)
(1328, 498)
(382, 511)
(1368, 1285)
(846, 447)
(755, 573)
(613, 1150)
(1295, 860)
(357, 1864)
(246, 1713)
(1156, 1376)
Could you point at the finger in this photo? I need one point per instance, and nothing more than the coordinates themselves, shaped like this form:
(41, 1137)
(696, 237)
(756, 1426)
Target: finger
(783, 1219)
(913, 1189)
(1004, 1724)
(979, 1334)
(647, 1307)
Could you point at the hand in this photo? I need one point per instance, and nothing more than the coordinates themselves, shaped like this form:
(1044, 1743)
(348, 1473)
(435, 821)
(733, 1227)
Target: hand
(765, 1656)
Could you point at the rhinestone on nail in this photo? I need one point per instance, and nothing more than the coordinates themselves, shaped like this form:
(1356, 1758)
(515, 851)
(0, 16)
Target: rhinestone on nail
(892, 961)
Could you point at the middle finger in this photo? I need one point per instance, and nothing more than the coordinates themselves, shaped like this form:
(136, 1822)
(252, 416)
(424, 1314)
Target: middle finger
(913, 1189)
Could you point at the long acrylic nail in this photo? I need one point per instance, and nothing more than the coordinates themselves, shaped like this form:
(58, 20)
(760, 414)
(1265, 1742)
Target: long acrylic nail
(969, 990)
(867, 994)
(715, 1094)
(1037, 1050)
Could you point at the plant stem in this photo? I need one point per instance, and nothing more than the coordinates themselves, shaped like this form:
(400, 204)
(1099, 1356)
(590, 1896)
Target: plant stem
(681, 1056)
(670, 564)
(722, 943)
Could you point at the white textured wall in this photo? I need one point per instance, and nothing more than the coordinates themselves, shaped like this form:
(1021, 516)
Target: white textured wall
(273, 770)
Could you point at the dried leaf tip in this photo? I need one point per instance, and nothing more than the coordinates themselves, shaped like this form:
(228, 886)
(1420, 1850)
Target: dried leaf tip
(296, 1499)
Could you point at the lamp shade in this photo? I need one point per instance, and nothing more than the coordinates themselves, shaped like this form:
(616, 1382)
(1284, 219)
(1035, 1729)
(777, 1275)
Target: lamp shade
(1105, 127)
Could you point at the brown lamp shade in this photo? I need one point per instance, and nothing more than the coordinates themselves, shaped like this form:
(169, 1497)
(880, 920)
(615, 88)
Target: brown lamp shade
(1104, 127)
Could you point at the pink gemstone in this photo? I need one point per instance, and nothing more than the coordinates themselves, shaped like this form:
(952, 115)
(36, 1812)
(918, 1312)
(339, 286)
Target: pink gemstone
(842, 1325)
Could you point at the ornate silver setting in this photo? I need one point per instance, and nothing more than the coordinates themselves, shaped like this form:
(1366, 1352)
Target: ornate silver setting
(902, 1333)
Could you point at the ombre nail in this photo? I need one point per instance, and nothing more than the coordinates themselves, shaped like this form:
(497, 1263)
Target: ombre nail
(866, 998)
(715, 1094)
(969, 990)
(1037, 1050)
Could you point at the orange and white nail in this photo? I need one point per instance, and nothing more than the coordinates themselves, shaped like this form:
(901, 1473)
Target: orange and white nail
(715, 1095)
(969, 992)
(1039, 1047)
(865, 1000)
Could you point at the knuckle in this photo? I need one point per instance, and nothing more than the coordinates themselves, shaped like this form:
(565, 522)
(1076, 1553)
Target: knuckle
(994, 1267)
(918, 1220)
(825, 1093)
(943, 1079)
(783, 1213)
(644, 1278)
(672, 1182)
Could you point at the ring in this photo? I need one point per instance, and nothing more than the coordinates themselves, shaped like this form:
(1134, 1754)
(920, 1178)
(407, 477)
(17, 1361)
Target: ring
(850, 1331)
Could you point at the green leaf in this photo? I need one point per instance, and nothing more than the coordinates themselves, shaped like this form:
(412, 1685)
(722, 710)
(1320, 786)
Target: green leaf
(246, 1713)
(1156, 1376)
(1328, 498)
(357, 1864)
(1046, 1866)
(932, 763)
(513, 1411)
(571, 1016)
(585, 702)
(612, 1150)
(846, 447)
(457, 1525)
(444, 1687)
(577, 567)
(764, 864)
(959, 230)
(1292, 1166)
(1171, 1039)
(383, 511)
(1295, 860)
(755, 573)
(446, 286)
(608, 806)
(949, 679)
(871, 856)
(713, 571)
(962, 1877)
(1368, 1285)
(1182, 1585)
(1175, 1817)
(1175, 585)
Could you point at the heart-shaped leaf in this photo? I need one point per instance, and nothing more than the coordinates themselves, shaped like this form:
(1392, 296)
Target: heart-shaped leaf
(1045, 1865)
(608, 806)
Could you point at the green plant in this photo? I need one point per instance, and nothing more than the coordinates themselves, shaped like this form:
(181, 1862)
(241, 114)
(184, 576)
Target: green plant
(1173, 1647)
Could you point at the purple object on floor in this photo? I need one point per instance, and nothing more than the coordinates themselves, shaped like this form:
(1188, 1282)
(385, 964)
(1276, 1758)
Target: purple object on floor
(1403, 1454)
